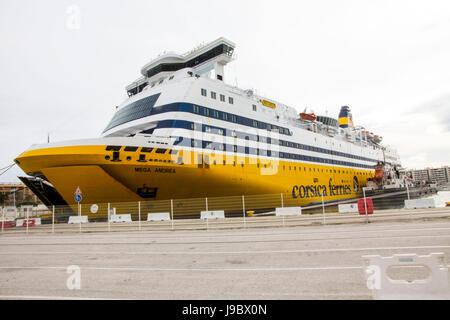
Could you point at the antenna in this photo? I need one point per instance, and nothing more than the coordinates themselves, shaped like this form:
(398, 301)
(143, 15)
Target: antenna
(48, 137)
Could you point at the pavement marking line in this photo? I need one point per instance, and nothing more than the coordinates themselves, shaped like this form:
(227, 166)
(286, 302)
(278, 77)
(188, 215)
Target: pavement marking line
(225, 252)
(55, 298)
(281, 233)
(235, 232)
(343, 294)
(198, 269)
(192, 269)
(228, 242)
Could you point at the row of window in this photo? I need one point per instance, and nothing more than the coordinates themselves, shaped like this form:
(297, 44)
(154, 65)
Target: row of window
(208, 145)
(216, 146)
(135, 110)
(219, 115)
(182, 124)
(204, 93)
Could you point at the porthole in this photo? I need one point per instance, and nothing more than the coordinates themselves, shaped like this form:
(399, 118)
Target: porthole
(107, 157)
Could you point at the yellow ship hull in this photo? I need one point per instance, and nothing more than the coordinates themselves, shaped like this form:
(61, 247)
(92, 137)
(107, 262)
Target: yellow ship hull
(187, 174)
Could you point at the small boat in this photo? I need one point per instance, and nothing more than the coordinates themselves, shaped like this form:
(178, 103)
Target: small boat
(308, 116)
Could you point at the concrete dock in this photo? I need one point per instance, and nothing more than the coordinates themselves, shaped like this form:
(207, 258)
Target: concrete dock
(269, 258)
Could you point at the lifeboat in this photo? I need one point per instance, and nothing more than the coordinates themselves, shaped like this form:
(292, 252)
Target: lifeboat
(378, 174)
(308, 116)
(377, 138)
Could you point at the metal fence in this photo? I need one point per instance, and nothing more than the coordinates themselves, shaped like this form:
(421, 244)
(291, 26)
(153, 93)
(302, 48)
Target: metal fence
(239, 211)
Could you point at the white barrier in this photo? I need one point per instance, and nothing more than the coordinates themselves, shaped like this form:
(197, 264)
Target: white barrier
(420, 203)
(348, 208)
(20, 222)
(288, 211)
(120, 218)
(78, 219)
(435, 286)
(159, 216)
(218, 214)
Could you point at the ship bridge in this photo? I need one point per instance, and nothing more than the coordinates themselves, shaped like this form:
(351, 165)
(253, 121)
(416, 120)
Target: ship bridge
(204, 60)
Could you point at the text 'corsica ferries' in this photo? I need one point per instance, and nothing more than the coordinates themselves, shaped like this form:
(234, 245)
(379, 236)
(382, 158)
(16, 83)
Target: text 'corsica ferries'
(184, 133)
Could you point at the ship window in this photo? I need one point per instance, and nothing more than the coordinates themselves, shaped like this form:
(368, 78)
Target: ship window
(116, 156)
(171, 78)
(161, 150)
(141, 158)
(128, 158)
(219, 77)
(162, 80)
(204, 92)
(196, 109)
(255, 123)
(254, 107)
(222, 98)
(225, 116)
(206, 112)
(107, 157)
(130, 148)
(148, 150)
(216, 114)
(230, 100)
(213, 95)
(113, 148)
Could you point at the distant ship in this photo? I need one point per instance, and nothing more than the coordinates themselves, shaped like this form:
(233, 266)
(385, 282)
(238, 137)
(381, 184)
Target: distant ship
(184, 133)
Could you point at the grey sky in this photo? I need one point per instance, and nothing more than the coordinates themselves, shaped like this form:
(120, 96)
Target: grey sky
(388, 60)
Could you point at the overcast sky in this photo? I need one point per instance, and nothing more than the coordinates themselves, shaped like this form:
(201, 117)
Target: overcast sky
(64, 64)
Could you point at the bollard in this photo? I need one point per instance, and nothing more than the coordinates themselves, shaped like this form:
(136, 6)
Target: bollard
(139, 209)
(323, 210)
(171, 211)
(243, 210)
(109, 222)
(53, 219)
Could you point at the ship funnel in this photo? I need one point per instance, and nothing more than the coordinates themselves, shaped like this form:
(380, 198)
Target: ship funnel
(345, 117)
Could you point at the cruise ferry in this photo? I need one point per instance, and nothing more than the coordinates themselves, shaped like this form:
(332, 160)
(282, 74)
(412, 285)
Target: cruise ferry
(183, 132)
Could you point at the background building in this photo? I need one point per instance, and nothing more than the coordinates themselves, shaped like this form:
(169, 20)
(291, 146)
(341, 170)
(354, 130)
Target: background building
(17, 194)
(433, 175)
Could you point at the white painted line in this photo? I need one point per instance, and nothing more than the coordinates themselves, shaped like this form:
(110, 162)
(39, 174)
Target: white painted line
(249, 232)
(237, 233)
(154, 242)
(196, 269)
(55, 298)
(220, 252)
(192, 269)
